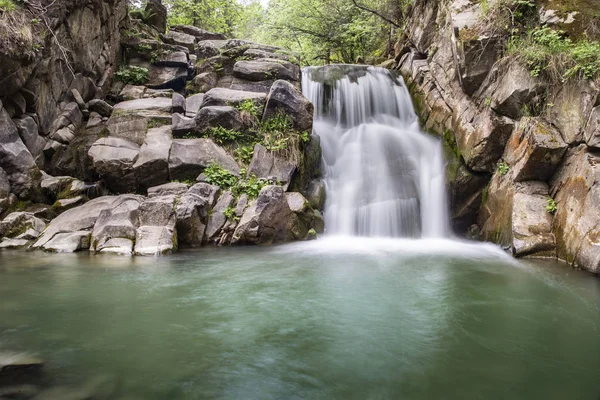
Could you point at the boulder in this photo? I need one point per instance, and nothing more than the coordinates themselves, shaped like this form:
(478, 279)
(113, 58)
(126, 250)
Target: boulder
(571, 109)
(192, 213)
(132, 92)
(592, 129)
(192, 104)
(4, 191)
(81, 218)
(214, 116)
(113, 160)
(513, 90)
(161, 77)
(16, 368)
(203, 82)
(10, 244)
(103, 108)
(150, 107)
(297, 202)
(118, 222)
(168, 189)
(248, 86)
(267, 219)
(16, 160)
(189, 157)
(183, 125)
(209, 193)
(209, 48)
(64, 135)
(156, 234)
(233, 98)
(534, 150)
(315, 194)
(180, 39)
(21, 225)
(262, 70)
(69, 242)
(178, 104)
(178, 59)
(217, 219)
(28, 131)
(269, 165)
(151, 166)
(158, 15)
(61, 205)
(284, 97)
(199, 34)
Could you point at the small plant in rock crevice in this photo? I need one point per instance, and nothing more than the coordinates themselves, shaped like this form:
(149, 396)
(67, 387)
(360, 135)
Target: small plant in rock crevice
(251, 186)
(231, 215)
(132, 75)
(551, 205)
(502, 168)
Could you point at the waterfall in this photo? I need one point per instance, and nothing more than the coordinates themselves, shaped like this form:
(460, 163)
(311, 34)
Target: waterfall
(384, 176)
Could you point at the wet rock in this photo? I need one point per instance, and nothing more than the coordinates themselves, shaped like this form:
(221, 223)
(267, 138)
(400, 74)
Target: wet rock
(156, 234)
(189, 157)
(531, 223)
(267, 165)
(284, 97)
(315, 194)
(151, 166)
(214, 116)
(534, 150)
(233, 98)
(69, 242)
(11, 244)
(18, 368)
(21, 225)
(113, 159)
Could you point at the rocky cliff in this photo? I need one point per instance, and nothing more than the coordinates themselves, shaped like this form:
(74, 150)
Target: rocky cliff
(521, 138)
(117, 136)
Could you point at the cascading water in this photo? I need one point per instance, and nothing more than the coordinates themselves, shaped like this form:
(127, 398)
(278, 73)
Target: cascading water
(384, 176)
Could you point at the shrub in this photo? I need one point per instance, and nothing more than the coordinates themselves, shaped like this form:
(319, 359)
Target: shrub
(132, 75)
(215, 175)
(231, 215)
(222, 135)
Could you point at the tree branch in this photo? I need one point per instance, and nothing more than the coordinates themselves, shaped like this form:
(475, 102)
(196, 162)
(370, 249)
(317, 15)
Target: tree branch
(374, 12)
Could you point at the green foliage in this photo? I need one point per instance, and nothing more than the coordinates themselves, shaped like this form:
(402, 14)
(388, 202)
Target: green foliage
(221, 16)
(250, 107)
(244, 154)
(7, 6)
(548, 51)
(231, 215)
(305, 137)
(132, 75)
(502, 168)
(551, 205)
(215, 175)
(222, 135)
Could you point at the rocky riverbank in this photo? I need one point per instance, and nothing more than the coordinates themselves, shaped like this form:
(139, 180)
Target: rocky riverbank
(523, 148)
(149, 140)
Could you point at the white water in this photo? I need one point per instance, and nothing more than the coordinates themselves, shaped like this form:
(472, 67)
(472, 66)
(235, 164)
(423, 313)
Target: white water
(384, 176)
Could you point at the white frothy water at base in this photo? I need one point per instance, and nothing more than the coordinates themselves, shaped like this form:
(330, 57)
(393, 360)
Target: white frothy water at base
(384, 176)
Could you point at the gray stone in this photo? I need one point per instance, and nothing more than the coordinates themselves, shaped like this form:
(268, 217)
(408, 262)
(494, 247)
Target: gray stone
(315, 194)
(189, 157)
(531, 223)
(214, 116)
(514, 89)
(9, 244)
(571, 110)
(113, 160)
(203, 82)
(120, 246)
(233, 98)
(168, 189)
(4, 185)
(147, 107)
(182, 125)
(16, 160)
(249, 86)
(151, 168)
(156, 234)
(178, 105)
(263, 70)
(101, 107)
(157, 15)
(267, 165)
(180, 39)
(193, 104)
(120, 221)
(217, 219)
(28, 131)
(206, 191)
(131, 92)
(21, 225)
(64, 135)
(192, 213)
(62, 205)
(167, 77)
(296, 202)
(69, 242)
(178, 59)
(199, 34)
(284, 97)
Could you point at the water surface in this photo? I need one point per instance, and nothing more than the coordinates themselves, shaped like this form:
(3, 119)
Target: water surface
(341, 318)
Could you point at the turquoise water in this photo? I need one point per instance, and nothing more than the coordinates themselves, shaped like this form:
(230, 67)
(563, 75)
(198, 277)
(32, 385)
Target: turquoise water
(334, 319)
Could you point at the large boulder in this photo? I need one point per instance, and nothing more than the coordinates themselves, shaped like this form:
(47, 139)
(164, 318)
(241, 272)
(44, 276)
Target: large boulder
(180, 39)
(214, 116)
(156, 234)
(534, 150)
(151, 168)
(158, 15)
(21, 225)
(4, 191)
(189, 157)
(131, 119)
(218, 219)
(571, 108)
(28, 130)
(192, 104)
(168, 189)
(163, 77)
(113, 159)
(115, 228)
(228, 97)
(269, 165)
(592, 129)
(262, 70)
(17, 161)
(284, 97)
(193, 212)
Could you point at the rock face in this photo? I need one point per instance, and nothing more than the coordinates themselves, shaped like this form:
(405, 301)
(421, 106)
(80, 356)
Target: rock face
(189, 157)
(521, 150)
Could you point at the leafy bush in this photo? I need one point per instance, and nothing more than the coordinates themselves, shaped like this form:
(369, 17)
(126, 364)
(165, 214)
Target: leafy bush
(222, 135)
(218, 176)
(132, 75)
(231, 215)
(215, 175)
(549, 51)
(244, 154)
(7, 5)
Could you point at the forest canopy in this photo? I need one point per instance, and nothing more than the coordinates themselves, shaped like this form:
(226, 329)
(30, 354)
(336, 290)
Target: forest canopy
(321, 31)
